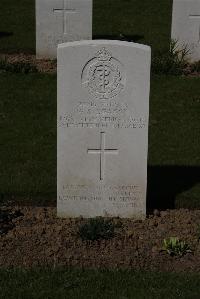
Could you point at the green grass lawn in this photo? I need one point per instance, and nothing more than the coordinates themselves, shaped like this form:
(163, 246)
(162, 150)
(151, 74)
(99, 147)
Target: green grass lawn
(93, 284)
(17, 26)
(28, 135)
(146, 21)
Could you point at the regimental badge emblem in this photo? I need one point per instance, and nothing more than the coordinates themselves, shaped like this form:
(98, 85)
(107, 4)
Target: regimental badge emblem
(103, 75)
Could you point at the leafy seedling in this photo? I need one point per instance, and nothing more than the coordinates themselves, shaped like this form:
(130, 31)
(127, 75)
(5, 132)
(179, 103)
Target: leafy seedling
(175, 247)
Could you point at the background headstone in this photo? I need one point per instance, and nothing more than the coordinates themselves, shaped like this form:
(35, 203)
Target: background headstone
(103, 108)
(186, 26)
(59, 21)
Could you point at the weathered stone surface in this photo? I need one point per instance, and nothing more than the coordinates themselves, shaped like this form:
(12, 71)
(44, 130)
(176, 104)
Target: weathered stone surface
(103, 109)
(59, 21)
(186, 26)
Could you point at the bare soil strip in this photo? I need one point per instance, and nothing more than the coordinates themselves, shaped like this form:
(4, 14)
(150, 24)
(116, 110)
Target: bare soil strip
(32, 236)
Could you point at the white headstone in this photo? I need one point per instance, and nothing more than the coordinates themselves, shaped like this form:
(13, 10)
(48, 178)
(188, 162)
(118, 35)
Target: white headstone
(59, 21)
(103, 108)
(186, 26)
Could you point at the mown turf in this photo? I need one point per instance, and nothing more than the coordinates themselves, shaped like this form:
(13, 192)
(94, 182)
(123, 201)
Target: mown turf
(28, 135)
(93, 284)
(174, 121)
(28, 140)
(174, 160)
(17, 26)
(147, 21)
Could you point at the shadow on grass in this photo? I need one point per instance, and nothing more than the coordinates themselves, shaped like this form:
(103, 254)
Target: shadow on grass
(5, 34)
(166, 182)
(122, 37)
(168, 188)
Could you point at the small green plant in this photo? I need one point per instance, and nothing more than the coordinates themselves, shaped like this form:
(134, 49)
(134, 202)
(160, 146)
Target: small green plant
(174, 246)
(17, 67)
(96, 228)
(172, 62)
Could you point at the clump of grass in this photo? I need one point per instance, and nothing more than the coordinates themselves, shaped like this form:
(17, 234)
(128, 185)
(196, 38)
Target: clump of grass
(172, 62)
(175, 247)
(198, 232)
(17, 67)
(195, 67)
(96, 228)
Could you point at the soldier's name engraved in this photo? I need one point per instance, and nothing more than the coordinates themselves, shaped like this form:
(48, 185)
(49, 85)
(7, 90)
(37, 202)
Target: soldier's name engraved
(102, 122)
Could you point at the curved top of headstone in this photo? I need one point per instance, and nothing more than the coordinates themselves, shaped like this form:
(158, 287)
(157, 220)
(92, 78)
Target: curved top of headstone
(104, 42)
(102, 128)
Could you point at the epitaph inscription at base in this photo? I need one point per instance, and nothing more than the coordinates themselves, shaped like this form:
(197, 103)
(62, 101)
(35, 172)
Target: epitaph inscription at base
(103, 103)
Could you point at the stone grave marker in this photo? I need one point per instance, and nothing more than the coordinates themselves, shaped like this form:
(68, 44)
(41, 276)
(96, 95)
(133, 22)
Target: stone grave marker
(102, 129)
(59, 21)
(186, 26)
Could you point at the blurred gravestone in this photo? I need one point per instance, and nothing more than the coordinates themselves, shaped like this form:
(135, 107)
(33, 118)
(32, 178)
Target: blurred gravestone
(59, 21)
(186, 26)
(103, 109)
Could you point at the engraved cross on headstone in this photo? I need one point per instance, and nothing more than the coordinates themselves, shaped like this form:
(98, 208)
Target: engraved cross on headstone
(65, 12)
(196, 17)
(101, 152)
